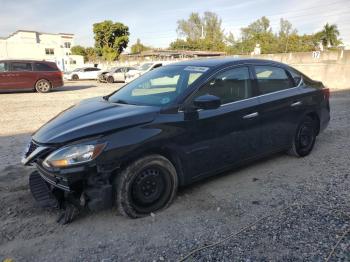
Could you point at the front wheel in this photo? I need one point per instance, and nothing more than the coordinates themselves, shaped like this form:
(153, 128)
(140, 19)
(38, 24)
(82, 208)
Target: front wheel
(304, 138)
(147, 185)
(43, 86)
(110, 79)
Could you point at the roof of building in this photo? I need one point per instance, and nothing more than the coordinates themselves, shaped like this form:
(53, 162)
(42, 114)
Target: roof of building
(30, 31)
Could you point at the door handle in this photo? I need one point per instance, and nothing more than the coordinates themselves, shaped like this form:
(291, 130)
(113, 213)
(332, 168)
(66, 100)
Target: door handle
(297, 103)
(252, 115)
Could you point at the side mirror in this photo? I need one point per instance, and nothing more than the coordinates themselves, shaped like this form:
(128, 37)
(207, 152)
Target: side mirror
(207, 102)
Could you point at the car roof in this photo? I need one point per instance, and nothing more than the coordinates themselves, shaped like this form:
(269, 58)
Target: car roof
(218, 62)
(25, 60)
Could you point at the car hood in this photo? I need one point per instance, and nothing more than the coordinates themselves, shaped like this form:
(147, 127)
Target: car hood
(92, 117)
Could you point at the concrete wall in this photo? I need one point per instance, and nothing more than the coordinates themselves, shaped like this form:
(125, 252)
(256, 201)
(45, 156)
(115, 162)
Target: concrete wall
(330, 67)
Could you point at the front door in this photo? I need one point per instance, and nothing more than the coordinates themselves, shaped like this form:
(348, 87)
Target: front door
(225, 136)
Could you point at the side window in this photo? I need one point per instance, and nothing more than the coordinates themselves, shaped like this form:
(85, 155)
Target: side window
(271, 79)
(43, 67)
(156, 66)
(231, 85)
(296, 77)
(119, 70)
(3, 67)
(21, 66)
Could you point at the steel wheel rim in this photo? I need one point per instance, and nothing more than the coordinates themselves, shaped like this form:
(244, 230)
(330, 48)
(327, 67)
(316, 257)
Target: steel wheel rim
(306, 136)
(148, 186)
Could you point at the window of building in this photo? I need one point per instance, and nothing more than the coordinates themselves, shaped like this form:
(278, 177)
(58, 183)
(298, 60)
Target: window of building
(272, 79)
(72, 62)
(49, 51)
(230, 86)
(21, 66)
(3, 67)
(67, 44)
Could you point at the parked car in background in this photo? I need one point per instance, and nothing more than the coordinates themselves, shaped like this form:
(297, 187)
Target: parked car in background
(144, 68)
(116, 74)
(82, 73)
(170, 127)
(40, 76)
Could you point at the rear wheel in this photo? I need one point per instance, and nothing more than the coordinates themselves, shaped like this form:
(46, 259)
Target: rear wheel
(304, 138)
(110, 79)
(147, 185)
(75, 77)
(43, 86)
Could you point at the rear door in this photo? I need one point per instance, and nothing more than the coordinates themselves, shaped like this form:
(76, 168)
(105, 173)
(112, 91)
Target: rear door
(94, 72)
(22, 75)
(119, 74)
(280, 106)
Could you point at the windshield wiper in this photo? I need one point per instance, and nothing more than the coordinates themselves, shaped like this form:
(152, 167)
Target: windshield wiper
(120, 101)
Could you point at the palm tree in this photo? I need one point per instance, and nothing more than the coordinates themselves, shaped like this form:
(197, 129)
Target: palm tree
(329, 35)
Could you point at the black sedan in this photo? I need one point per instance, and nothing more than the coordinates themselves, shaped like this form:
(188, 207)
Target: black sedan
(170, 127)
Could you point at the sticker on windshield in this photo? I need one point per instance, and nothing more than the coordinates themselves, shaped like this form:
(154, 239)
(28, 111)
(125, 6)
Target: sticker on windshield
(196, 68)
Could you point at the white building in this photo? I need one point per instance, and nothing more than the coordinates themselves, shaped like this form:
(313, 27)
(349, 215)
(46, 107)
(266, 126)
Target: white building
(34, 45)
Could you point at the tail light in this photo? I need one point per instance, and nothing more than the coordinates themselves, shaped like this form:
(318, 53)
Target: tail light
(326, 93)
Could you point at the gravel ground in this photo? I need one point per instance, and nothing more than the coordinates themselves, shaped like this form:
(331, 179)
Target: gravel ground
(278, 209)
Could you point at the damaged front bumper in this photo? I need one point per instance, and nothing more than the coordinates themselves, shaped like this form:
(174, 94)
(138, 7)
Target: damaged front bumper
(83, 185)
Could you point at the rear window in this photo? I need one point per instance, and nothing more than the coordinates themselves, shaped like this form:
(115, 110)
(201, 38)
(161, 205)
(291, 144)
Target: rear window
(296, 77)
(3, 67)
(21, 66)
(272, 79)
(45, 67)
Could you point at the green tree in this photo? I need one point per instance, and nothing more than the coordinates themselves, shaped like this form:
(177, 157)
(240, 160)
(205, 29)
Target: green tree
(200, 33)
(286, 36)
(91, 54)
(329, 36)
(110, 39)
(191, 28)
(138, 47)
(78, 50)
(258, 32)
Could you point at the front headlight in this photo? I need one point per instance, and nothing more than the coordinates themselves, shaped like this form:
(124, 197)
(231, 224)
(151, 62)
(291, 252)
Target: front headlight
(73, 155)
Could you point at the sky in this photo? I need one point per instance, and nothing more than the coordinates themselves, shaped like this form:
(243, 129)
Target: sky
(155, 21)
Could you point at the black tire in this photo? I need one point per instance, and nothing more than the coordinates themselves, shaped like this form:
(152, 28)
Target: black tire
(43, 86)
(304, 138)
(147, 185)
(110, 79)
(75, 77)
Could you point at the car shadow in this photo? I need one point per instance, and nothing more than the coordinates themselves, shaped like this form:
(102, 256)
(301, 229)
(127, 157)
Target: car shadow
(72, 88)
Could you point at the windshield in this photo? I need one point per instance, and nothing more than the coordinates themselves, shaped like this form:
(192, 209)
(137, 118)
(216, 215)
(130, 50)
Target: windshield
(158, 87)
(145, 66)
